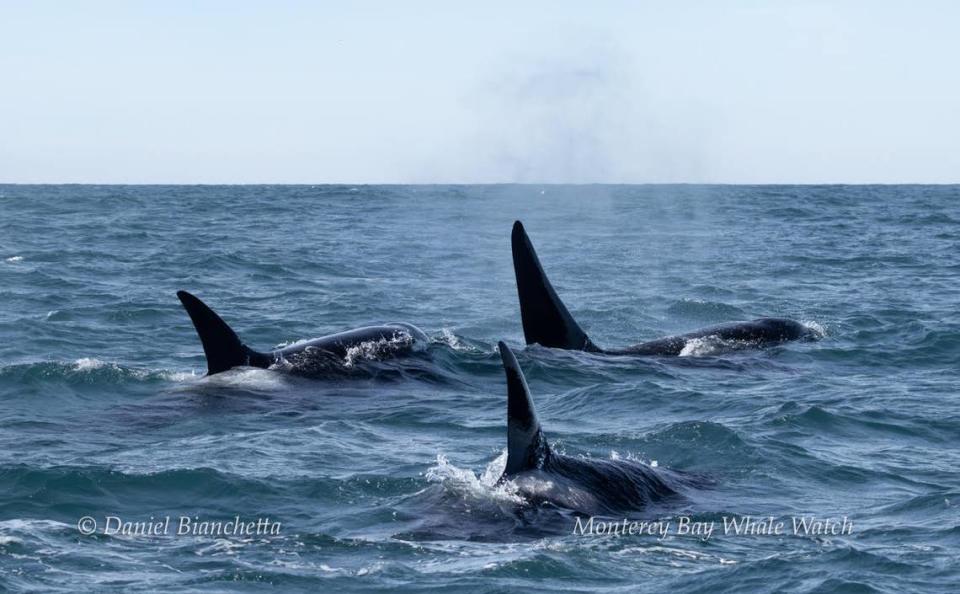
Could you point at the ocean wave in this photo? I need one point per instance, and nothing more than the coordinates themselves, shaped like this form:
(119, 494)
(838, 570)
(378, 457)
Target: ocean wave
(700, 446)
(926, 507)
(106, 407)
(88, 371)
(75, 489)
(448, 338)
(878, 424)
(702, 433)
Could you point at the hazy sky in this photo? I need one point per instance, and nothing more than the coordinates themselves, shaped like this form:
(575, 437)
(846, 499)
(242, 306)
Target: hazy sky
(417, 92)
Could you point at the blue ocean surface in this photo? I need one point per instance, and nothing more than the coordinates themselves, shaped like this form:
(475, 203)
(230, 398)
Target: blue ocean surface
(383, 477)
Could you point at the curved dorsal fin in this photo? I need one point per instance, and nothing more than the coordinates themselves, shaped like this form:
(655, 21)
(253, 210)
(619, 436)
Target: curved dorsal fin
(545, 318)
(527, 448)
(221, 345)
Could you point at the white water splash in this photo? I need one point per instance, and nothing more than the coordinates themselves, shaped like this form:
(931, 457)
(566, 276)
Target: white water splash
(87, 363)
(615, 455)
(450, 339)
(375, 349)
(181, 376)
(484, 487)
(14, 259)
(818, 329)
(706, 345)
(293, 343)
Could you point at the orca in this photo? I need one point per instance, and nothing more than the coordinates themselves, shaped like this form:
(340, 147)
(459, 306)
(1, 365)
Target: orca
(224, 350)
(547, 322)
(583, 485)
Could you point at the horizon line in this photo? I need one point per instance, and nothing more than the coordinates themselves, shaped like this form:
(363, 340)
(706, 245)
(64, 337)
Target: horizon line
(509, 183)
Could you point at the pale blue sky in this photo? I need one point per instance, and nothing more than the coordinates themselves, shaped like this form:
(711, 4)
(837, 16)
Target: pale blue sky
(430, 91)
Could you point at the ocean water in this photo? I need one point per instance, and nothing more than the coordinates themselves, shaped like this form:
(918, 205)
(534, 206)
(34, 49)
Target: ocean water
(382, 477)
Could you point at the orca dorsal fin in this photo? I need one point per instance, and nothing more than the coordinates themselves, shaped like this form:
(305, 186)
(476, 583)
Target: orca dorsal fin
(527, 448)
(545, 318)
(221, 345)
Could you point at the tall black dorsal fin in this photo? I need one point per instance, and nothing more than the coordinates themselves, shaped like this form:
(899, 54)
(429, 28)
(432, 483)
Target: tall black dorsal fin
(221, 344)
(527, 448)
(546, 320)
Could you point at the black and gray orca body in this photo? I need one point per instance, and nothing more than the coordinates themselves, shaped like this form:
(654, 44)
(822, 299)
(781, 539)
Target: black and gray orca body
(583, 485)
(547, 322)
(224, 350)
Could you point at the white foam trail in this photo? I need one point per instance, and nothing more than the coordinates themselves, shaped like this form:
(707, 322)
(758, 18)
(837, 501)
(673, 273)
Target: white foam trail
(14, 259)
